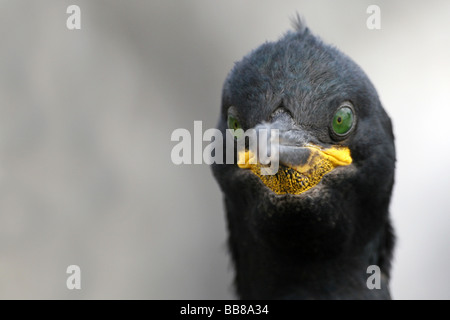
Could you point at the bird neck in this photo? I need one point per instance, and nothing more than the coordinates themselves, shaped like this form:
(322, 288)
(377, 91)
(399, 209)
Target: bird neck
(266, 274)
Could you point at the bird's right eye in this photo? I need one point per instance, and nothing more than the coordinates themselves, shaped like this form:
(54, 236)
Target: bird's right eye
(343, 121)
(233, 124)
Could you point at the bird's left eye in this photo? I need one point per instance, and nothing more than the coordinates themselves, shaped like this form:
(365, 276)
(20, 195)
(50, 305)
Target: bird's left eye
(233, 123)
(343, 120)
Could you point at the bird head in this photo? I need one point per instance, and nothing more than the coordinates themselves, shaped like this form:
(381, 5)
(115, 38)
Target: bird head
(331, 193)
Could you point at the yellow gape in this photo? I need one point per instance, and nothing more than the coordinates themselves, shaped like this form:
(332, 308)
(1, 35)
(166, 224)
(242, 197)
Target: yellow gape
(298, 179)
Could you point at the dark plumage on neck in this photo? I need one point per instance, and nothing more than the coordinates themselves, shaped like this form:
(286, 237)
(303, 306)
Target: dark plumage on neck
(309, 267)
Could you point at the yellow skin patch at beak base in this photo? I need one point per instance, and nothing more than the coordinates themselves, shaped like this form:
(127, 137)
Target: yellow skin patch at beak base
(298, 179)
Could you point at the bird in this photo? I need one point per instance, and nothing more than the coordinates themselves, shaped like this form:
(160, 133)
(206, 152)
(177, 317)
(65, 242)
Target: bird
(314, 228)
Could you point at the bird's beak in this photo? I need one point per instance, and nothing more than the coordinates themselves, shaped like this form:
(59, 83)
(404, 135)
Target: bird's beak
(302, 160)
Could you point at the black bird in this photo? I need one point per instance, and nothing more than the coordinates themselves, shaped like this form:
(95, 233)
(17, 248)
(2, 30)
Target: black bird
(311, 230)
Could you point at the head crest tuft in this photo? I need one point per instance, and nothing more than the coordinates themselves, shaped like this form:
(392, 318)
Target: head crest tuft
(299, 24)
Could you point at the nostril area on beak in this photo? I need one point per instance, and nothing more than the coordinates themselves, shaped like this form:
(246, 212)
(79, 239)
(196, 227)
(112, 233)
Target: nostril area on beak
(292, 156)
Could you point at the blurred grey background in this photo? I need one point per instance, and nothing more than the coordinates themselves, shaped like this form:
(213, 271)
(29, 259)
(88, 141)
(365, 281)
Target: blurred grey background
(86, 119)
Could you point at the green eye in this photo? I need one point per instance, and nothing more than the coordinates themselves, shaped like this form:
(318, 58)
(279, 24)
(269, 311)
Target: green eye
(343, 120)
(234, 124)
